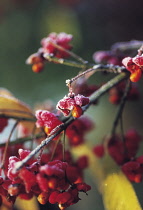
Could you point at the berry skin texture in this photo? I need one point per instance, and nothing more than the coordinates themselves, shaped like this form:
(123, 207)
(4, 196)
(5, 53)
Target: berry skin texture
(134, 66)
(77, 111)
(135, 77)
(72, 104)
(43, 198)
(138, 60)
(57, 45)
(62, 39)
(38, 67)
(132, 170)
(47, 120)
(98, 150)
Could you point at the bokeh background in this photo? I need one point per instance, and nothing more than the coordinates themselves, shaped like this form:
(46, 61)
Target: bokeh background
(95, 25)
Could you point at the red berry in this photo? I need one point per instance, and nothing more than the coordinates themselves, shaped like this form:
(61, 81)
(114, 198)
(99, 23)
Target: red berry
(72, 174)
(135, 76)
(138, 60)
(77, 111)
(47, 119)
(82, 162)
(129, 64)
(132, 171)
(37, 67)
(83, 187)
(43, 198)
(53, 197)
(98, 150)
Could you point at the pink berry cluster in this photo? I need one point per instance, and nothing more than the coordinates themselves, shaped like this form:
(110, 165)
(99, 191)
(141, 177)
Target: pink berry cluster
(62, 39)
(76, 130)
(124, 154)
(82, 87)
(117, 52)
(108, 57)
(54, 44)
(134, 66)
(72, 104)
(56, 181)
(47, 120)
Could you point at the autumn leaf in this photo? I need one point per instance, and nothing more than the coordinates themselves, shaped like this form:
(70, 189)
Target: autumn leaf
(119, 194)
(117, 191)
(22, 204)
(9, 105)
(14, 108)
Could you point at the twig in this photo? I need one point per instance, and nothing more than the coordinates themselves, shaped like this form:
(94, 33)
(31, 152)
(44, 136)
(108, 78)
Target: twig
(50, 58)
(121, 107)
(7, 143)
(24, 139)
(69, 120)
(97, 68)
(72, 54)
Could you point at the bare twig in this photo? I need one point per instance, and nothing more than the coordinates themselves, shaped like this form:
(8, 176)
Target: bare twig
(72, 54)
(70, 119)
(7, 143)
(97, 68)
(120, 110)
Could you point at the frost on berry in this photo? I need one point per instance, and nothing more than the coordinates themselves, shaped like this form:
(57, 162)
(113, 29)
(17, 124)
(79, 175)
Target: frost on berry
(47, 120)
(53, 181)
(138, 60)
(72, 104)
(62, 39)
(134, 66)
(82, 87)
(58, 183)
(28, 178)
(37, 61)
(108, 57)
(57, 45)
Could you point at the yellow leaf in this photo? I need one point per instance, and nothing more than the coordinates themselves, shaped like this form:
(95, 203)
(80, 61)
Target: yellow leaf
(118, 193)
(5, 92)
(12, 107)
(31, 204)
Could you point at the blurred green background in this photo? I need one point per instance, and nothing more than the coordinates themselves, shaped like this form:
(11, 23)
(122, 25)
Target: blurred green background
(95, 25)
